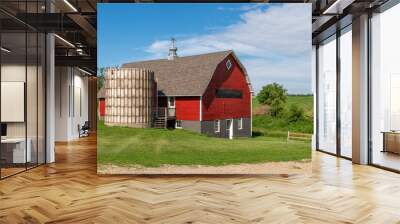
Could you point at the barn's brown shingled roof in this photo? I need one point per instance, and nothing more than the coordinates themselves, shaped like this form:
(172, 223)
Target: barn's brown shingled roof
(183, 76)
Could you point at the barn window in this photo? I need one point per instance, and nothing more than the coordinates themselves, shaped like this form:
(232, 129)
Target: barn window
(178, 124)
(171, 102)
(240, 123)
(228, 64)
(216, 126)
(228, 93)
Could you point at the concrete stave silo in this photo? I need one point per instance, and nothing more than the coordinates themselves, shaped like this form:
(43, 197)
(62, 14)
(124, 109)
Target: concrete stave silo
(129, 94)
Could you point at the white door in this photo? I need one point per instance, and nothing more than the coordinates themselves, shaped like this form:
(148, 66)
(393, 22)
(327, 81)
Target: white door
(171, 106)
(229, 128)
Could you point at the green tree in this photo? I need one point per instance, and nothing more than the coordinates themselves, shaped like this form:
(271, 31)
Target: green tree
(296, 113)
(100, 78)
(275, 96)
(276, 109)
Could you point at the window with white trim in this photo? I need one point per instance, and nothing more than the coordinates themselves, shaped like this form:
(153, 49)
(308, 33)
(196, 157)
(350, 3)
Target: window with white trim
(228, 64)
(171, 102)
(240, 123)
(216, 126)
(178, 124)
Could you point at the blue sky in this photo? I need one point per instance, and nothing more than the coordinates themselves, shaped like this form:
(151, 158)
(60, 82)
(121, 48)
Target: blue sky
(273, 41)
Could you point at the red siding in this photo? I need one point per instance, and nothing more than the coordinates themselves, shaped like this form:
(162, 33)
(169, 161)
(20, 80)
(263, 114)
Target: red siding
(187, 108)
(222, 108)
(102, 107)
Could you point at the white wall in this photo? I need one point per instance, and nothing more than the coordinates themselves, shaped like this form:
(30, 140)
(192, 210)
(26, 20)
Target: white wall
(62, 82)
(79, 112)
(13, 72)
(13, 101)
(70, 84)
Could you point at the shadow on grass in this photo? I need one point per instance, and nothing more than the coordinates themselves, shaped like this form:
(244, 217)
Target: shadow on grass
(256, 134)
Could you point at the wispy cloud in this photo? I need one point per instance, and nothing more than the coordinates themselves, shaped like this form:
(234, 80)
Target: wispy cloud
(274, 44)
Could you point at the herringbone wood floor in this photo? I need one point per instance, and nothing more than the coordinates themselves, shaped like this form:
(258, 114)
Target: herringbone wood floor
(69, 191)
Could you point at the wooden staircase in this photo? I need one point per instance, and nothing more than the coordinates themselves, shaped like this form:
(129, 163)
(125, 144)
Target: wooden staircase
(160, 122)
(160, 118)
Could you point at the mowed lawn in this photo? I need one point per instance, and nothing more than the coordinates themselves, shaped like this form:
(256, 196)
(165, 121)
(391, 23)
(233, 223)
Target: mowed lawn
(156, 147)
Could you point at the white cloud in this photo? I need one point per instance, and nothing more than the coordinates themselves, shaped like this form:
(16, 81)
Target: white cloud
(274, 44)
(294, 74)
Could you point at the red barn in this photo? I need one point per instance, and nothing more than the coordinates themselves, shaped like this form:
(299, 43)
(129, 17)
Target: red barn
(208, 93)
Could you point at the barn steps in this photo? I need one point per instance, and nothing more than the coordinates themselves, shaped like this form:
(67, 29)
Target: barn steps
(160, 122)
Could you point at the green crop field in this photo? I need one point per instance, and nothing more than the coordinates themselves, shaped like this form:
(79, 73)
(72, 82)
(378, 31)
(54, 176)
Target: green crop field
(156, 147)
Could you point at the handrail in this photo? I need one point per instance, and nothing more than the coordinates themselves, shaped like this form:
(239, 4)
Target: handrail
(165, 112)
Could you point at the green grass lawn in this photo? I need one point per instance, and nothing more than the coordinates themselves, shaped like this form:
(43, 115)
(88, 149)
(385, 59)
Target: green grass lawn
(155, 147)
(278, 127)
